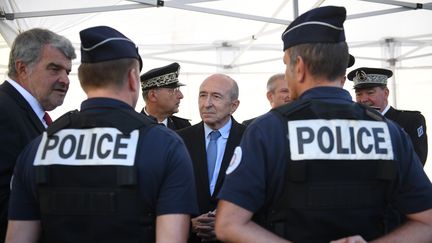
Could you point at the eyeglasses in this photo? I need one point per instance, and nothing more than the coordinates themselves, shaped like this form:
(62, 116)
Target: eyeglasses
(172, 91)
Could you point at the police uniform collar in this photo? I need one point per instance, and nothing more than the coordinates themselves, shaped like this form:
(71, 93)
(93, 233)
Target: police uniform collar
(327, 93)
(387, 108)
(104, 103)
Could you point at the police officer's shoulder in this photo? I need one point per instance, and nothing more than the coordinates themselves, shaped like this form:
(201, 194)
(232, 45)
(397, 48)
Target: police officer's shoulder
(410, 112)
(371, 112)
(62, 122)
(291, 107)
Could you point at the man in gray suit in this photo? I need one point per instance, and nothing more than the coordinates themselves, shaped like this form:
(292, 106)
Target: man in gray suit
(218, 100)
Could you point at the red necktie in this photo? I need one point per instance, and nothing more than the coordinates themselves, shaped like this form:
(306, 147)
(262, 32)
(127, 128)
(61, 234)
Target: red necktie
(47, 119)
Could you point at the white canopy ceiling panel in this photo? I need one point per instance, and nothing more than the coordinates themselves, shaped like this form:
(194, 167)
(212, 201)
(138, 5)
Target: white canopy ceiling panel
(239, 37)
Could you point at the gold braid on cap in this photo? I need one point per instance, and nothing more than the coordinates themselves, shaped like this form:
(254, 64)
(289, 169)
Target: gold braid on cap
(163, 80)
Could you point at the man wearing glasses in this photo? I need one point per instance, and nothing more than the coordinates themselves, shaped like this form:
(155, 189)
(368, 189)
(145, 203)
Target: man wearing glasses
(162, 95)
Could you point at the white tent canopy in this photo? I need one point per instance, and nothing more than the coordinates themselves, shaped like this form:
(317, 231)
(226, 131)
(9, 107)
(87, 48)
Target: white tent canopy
(240, 38)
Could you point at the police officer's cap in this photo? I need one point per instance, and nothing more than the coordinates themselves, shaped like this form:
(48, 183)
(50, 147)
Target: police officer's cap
(351, 60)
(103, 43)
(319, 25)
(166, 77)
(369, 77)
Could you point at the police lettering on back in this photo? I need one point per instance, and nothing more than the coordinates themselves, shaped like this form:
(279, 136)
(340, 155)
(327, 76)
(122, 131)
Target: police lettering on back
(106, 146)
(339, 139)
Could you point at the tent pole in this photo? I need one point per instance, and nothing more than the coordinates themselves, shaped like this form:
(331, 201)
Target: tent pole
(389, 49)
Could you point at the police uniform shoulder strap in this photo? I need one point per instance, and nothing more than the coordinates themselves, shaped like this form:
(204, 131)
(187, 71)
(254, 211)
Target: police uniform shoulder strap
(371, 112)
(62, 122)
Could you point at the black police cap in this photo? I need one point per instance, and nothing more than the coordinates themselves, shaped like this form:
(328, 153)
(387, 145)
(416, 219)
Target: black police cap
(103, 43)
(351, 60)
(319, 25)
(166, 76)
(369, 77)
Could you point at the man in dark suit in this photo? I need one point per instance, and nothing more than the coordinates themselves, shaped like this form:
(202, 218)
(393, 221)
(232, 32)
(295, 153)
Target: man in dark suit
(277, 93)
(39, 65)
(162, 95)
(370, 86)
(218, 100)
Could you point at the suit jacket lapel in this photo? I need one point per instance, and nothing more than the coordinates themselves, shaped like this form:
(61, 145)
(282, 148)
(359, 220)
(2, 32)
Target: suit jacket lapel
(24, 105)
(201, 158)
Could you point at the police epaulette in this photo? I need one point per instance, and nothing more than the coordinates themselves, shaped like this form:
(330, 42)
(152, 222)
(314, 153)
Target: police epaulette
(410, 111)
(62, 122)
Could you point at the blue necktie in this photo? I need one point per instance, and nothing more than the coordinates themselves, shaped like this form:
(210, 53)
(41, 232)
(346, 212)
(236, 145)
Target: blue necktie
(212, 153)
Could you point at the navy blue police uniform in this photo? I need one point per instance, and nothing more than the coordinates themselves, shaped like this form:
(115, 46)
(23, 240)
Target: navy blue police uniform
(324, 167)
(334, 169)
(105, 173)
(105, 167)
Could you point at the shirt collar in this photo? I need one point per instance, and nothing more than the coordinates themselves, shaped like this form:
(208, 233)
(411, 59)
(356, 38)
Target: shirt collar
(385, 109)
(225, 130)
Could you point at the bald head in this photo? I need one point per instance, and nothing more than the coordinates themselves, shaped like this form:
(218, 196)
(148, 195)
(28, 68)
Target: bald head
(218, 100)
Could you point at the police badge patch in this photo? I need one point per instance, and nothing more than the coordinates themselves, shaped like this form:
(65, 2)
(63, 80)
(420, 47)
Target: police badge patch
(235, 160)
(420, 131)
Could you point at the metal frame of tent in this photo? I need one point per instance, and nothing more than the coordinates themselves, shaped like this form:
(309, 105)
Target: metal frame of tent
(248, 43)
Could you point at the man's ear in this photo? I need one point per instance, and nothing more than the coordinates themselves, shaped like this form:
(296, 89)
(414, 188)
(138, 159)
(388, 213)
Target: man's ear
(133, 79)
(300, 69)
(234, 105)
(152, 95)
(270, 96)
(21, 68)
(386, 92)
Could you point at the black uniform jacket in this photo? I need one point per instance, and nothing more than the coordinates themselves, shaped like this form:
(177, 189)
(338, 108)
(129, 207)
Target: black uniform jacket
(177, 123)
(174, 122)
(413, 122)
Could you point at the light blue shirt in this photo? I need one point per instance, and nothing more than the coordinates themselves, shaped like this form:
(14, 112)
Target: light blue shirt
(221, 144)
(34, 104)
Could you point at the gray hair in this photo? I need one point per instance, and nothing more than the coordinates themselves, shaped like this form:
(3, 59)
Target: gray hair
(270, 83)
(28, 45)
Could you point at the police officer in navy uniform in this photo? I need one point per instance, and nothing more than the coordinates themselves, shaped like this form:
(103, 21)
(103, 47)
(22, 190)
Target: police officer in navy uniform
(162, 95)
(323, 167)
(370, 85)
(105, 173)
